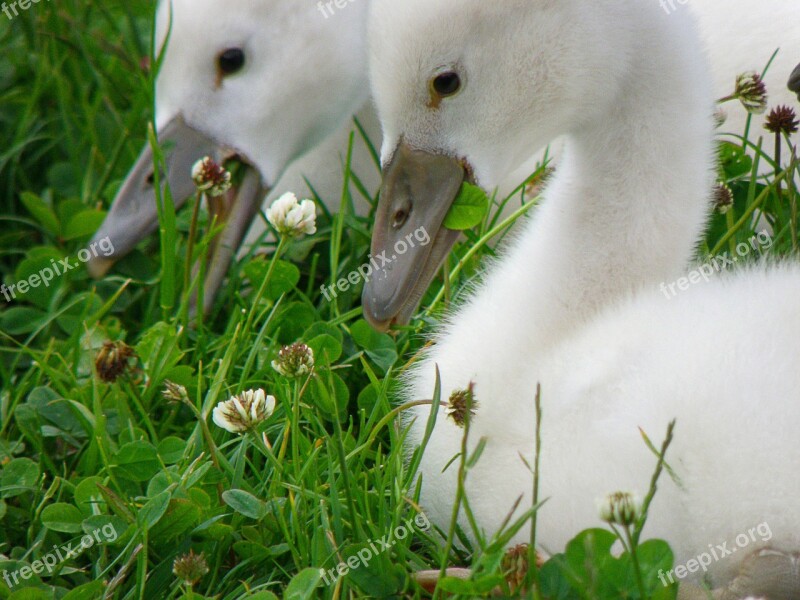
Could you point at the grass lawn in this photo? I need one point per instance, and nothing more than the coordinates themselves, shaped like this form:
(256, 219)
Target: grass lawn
(108, 475)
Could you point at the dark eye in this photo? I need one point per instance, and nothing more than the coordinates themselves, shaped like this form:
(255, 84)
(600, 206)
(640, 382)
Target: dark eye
(231, 61)
(447, 84)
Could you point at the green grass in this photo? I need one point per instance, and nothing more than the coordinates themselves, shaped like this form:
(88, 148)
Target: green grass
(79, 455)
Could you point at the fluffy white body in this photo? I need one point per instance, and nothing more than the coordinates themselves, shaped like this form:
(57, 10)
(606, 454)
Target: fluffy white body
(700, 358)
(574, 304)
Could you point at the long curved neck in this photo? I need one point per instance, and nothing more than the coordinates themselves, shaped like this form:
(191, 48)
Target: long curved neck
(629, 199)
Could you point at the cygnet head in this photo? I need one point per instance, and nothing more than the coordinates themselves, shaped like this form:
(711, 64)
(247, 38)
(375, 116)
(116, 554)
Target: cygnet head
(263, 81)
(467, 90)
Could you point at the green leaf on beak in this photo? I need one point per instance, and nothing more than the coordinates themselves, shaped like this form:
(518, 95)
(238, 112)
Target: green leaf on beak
(469, 208)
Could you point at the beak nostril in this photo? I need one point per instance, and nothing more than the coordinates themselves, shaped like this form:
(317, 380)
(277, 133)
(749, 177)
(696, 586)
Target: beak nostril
(151, 177)
(399, 219)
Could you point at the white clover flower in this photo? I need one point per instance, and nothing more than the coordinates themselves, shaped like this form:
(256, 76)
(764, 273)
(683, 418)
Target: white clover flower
(245, 411)
(211, 178)
(620, 508)
(291, 217)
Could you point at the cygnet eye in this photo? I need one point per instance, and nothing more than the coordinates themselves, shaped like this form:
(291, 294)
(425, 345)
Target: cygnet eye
(446, 84)
(231, 61)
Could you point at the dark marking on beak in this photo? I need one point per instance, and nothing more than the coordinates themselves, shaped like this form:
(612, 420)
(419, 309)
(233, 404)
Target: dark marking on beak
(417, 192)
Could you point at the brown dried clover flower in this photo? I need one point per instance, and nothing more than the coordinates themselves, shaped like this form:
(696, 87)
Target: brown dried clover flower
(461, 404)
(515, 565)
(782, 119)
(723, 197)
(113, 360)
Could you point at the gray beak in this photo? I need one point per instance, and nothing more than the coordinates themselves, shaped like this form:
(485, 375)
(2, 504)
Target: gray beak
(794, 81)
(134, 215)
(236, 210)
(417, 192)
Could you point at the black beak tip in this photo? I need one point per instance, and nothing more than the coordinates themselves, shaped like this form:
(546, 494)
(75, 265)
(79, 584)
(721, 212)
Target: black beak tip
(98, 267)
(375, 311)
(379, 326)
